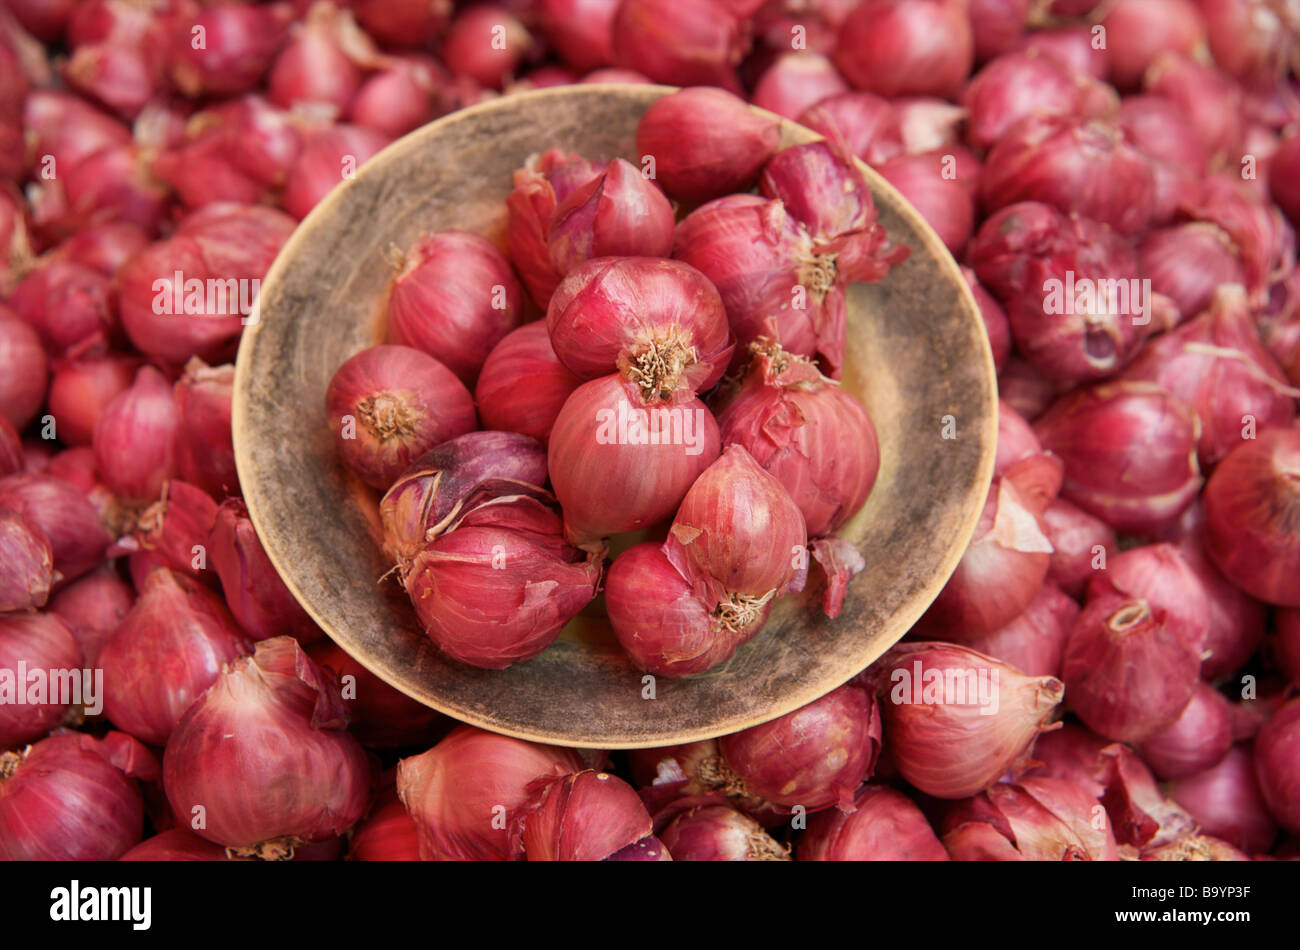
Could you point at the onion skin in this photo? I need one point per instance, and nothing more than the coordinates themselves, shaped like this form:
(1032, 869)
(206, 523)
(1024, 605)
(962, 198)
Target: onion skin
(63, 799)
(868, 125)
(81, 389)
(378, 715)
(175, 844)
(1139, 30)
(320, 163)
(1236, 620)
(1211, 100)
(524, 353)
(695, 43)
(1038, 819)
(1014, 87)
(580, 30)
(946, 203)
(403, 403)
(1034, 641)
(884, 826)
(906, 47)
(618, 213)
(715, 832)
(1189, 262)
(1134, 428)
(951, 749)
(452, 791)
(609, 488)
(387, 834)
(1227, 802)
(134, 439)
(995, 320)
(471, 48)
(166, 652)
(22, 390)
(648, 848)
(313, 785)
(205, 451)
(240, 42)
(77, 537)
(1197, 740)
(815, 757)
(455, 299)
(26, 564)
(1252, 505)
(706, 143)
(1277, 765)
(316, 65)
(92, 607)
(1159, 575)
(797, 81)
(43, 642)
(1075, 536)
(1114, 646)
(586, 816)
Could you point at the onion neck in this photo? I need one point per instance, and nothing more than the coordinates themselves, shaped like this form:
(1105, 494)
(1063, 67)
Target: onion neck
(716, 775)
(274, 849)
(388, 416)
(739, 611)
(817, 273)
(760, 846)
(9, 762)
(1129, 617)
(657, 369)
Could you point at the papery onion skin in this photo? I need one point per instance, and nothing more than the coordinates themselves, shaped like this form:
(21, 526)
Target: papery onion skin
(906, 47)
(714, 832)
(948, 746)
(1037, 819)
(586, 816)
(309, 784)
(1252, 506)
(617, 213)
(1034, 641)
(92, 606)
(1134, 428)
(63, 800)
(1227, 802)
(22, 390)
(31, 707)
(617, 485)
(166, 652)
(1197, 740)
(77, 537)
(524, 353)
(1081, 544)
(1277, 765)
(1159, 575)
(454, 791)
(705, 143)
(695, 43)
(205, 451)
(26, 564)
(1114, 646)
(455, 299)
(401, 403)
(315, 66)
(814, 757)
(868, 125)
(884, 826)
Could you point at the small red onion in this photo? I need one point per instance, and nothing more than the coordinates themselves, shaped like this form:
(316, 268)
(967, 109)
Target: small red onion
(1284, 186)
(175, 844)
(585, 816)
(1277, 765)
(455, 299)
(705, 143)
(63, 799)
(1015, 87)
(1248, 38)
(1037, 819)
(1034, 641)
(524, 353)
(1252, 504)
(388, 405)
(205, 452)
(956, 720)
(617, 76)
(1210, 100)
(81, 389)
(133, 438)
(463, 792)
(884, 826)
(1159, 575)
(11, 449)
(112, 184)
(686, 42)
(264, 755)
(1129, 453)
(906, 47)
(648, 848)
(867, 125)
(329, 155)
(414, 23)
(121, 75)
(61, 125)
(38, 653)
(715, 832)
(166, 652)
(996, 324)
(92, 606)
(997, 25)
(1138, 31)
(1081, 545)
(22, 388)
(73, 307)
(173, 533)
(28, 565)
(580, 30)
(1016, 439)
(1128, 670)
(1188, 262)
(105, 247)
(44, 19)
(238, 43)
(617, 213)
(1072, 47)
(321, 62)
(62, 512)
(487, 43)
(617, 465)
(1265, 242)
(930, 182)
(822, 187)
(795, 82)
(202, 172)
(388, 833)
(378, 715)
(396, 100)
(1226, 802)
(1198, 739)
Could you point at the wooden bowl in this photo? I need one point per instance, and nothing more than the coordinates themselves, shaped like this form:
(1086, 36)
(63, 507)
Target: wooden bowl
(917, 357)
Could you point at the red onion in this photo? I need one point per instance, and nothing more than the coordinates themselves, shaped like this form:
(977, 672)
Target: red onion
(1277, 765)
(44, 19)
(524, 353)
(1284, 187)
(1188, 262)
(105, 247)
(201, 172)
(455, 298)
(1138, 31)
(167, 651)
(867, 125)
(1016, 440)
(927, 124)
(22, 387)
(1226, 801)
(390, 404)
(1252, 504)
(329, 155)
(61, 125)
(1037, 819)
(498, 588)
(883, 826)
(822, 187)
(120, 74)
(11, 449)
(996, 324)
(715, 832)
(1015, 87)
(648, 848)
(40, 677)
(205, 453)
(92, 607)
(1159, 575)
(1265, 242)
(930, 182)
(173, 533)
(1159, 128)
(1129, 453)
(795, 82)
(666, 627)
(1197, 740)
(388, 833)
(81, 389)
(178, 299)
(264, 755)
(1072, 47)
(814, 757)
(1111, 654)
(1081, 544)
(396, 100)
(414, 23)
(1210, 100)
(28, 565)
(1286, 644)
(997, 25)
(906, 47)
(1071, 753)
(660, 324)
(1034, 641)
(261, 141)
(321, 62)
(254, 592)
(617, 213)
(585, 816)
(580, 30)
(1080, 166)
(71, 306)
(617, 76)
(378, 715)
(175, 844)
(134, 436)
(232, 52)
(112, 184)
(617, 465)
(956, 720)
(1248, 38)
(77, 538)
(487, 43)
(63, 799)
(705, 143)
(686, 42)
(463, 792)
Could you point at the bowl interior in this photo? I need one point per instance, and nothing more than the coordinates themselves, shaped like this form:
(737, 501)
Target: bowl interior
(917, 355)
